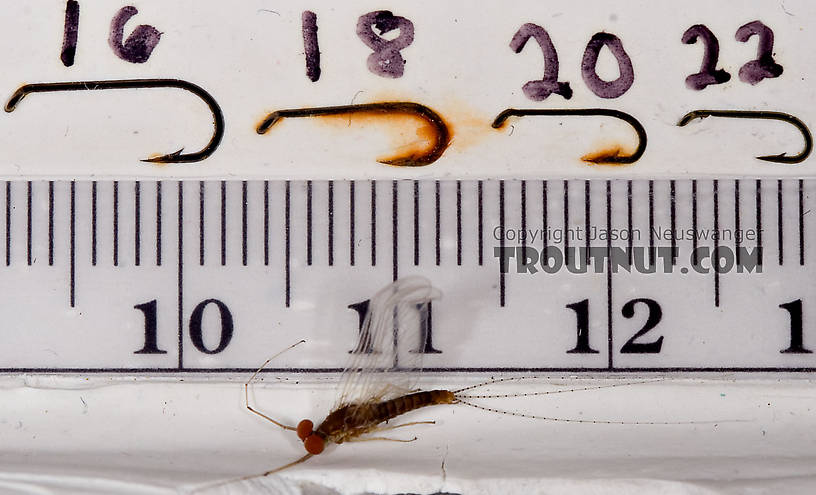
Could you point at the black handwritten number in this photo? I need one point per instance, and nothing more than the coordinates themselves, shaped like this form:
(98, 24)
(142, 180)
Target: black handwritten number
(581, 309)
(386, 61)
(311, 47)
(151, 345)
(794, 308)
(655, 315)
(69, 39)
(540, 90)
(764, 66)
(607, 89)
(709, 74)
(196, 331)
(141, 42)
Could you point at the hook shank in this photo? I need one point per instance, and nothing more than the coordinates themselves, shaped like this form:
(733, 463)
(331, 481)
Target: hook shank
(440, 128)
(586, 112)
(175, 157)
(766, 115)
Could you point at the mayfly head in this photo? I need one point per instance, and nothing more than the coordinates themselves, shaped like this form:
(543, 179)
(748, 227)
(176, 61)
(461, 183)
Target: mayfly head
(314, 442)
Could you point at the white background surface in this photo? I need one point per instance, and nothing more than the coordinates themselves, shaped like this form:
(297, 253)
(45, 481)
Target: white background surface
(159, 435)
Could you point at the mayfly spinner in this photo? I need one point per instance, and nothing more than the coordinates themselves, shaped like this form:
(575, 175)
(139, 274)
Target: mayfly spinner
(379, 383)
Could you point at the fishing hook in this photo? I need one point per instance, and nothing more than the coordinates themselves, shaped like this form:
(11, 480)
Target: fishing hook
(744, 114)
(606, 158)
(175, 157)
(417, 159)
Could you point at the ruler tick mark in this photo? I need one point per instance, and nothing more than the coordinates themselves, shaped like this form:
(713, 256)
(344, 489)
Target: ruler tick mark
(715, 259)
(629, 220)
(523, 216)
(223, 223)
(8, 223)
(158, 223)
(779, 223)
(610, 362)
(309, 222)
(673, 220)
(759, 220)
(502, 280)
(201, 208)
(459, 222)
(587, 218)
(28, 223)
(801, 222)
(137, 238)
(352, 204)
(288, 245)
(373, 184)
(331, 222)
(694, 254)
(566, 224)
(72, 276)
(180, 275)
(93, 223)
(244, 227)
(737, 241)
(480, 214)
(544, 219)
(266, 222)
(394, 230)
(438, 223)
(50, 223)
(652, 252)
(416, 223)
(115, 223)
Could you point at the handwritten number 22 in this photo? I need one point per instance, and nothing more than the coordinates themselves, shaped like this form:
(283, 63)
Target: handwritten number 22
(762, 67)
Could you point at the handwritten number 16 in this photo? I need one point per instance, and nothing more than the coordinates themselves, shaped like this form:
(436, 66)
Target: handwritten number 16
(136, 49)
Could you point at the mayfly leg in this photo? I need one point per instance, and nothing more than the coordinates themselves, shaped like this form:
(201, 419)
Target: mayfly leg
(412, 423)
(252, 378)
(384, 439)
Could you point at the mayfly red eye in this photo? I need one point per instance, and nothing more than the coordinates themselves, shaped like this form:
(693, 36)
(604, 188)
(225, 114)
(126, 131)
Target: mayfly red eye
(304, 429)
(314, 444)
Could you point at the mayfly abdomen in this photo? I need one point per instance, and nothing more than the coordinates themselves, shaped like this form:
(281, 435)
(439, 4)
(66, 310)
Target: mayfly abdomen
(390, 409)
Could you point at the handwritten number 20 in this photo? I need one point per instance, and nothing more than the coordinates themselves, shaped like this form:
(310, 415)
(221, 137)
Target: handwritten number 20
(549, 84)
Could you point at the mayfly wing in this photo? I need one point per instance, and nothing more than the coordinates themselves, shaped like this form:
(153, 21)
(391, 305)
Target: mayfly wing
(388, 358)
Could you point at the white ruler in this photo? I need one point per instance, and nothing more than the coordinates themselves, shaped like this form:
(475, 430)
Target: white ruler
(216, 276)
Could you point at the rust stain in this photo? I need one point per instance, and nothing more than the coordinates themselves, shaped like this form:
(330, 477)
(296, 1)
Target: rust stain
(607, 156)
(412, 137)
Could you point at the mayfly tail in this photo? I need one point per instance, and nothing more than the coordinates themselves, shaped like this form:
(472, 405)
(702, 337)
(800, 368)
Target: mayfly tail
(593, 421)
(499, 380)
